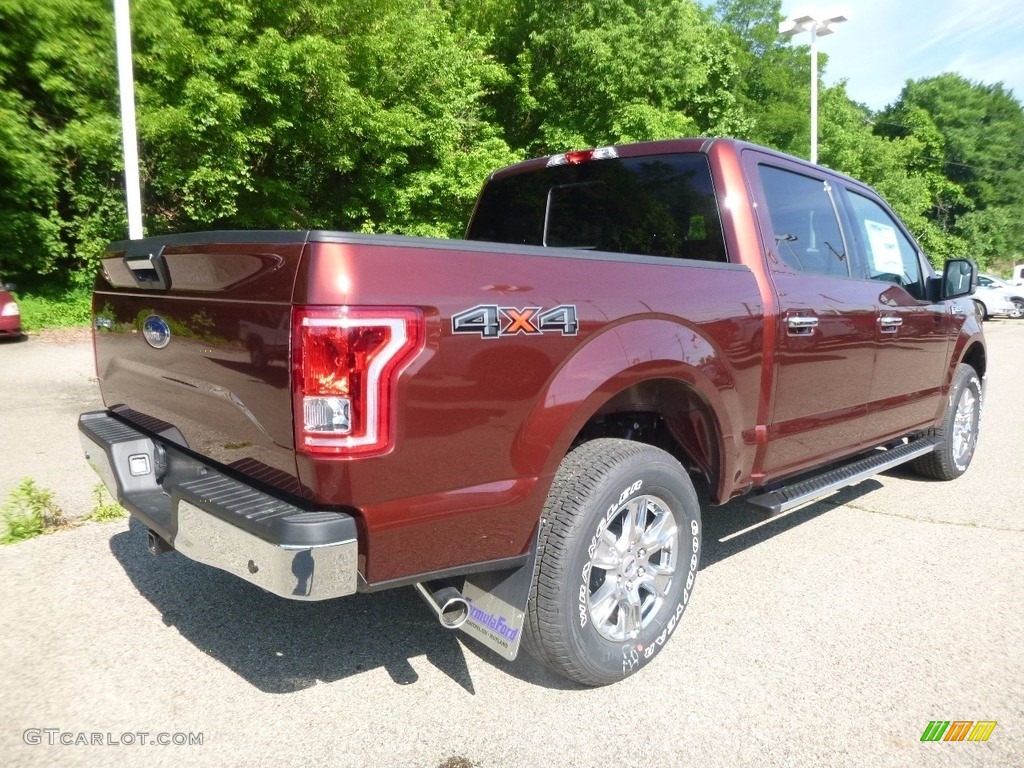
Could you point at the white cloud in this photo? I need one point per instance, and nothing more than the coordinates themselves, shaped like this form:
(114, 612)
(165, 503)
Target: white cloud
(973, 22)
(884, 44)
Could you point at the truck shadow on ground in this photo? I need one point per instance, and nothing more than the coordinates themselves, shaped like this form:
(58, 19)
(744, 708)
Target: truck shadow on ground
(280, 646)
(737, 526)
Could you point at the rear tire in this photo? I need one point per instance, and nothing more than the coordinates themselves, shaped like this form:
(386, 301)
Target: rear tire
(617, 557)
(958, 433)
(1018, 310)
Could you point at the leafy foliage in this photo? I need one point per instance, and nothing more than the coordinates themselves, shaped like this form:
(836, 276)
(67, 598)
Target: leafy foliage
(773, 76)
(585, 73)
(104, 508)
(387, 115)
(55, 306)
(973, 159)
(30, 511)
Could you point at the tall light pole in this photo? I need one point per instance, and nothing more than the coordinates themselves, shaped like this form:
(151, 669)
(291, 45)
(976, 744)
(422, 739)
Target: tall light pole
(122, 28)
(818, 24)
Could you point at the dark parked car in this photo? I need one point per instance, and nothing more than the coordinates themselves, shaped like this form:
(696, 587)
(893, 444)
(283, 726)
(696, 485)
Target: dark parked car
(10, 315)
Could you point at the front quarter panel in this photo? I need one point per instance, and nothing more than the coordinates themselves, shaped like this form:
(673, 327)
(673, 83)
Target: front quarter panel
(968, 341)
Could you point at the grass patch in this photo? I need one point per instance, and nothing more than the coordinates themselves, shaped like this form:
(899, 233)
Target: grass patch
(55, 308)
(30, 511)
(104, 508)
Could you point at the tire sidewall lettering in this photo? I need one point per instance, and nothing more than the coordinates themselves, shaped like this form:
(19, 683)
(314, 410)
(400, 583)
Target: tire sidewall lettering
(673, 621)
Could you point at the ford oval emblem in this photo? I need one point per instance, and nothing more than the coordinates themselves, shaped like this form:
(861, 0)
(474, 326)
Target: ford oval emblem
(156, 331)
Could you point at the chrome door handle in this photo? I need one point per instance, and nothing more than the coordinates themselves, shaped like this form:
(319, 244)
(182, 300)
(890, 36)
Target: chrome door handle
(801, 323)
(801, 326)
(889, 324)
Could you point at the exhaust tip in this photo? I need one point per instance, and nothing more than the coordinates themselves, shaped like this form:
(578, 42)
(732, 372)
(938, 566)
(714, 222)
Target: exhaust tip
(451, 608)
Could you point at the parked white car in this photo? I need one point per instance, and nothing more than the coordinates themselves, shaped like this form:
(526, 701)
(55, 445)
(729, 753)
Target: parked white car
(996, 297)
(1018, 275)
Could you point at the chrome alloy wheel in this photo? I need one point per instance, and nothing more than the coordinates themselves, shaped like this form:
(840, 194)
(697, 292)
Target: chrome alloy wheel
(632, 567)
(965, 427)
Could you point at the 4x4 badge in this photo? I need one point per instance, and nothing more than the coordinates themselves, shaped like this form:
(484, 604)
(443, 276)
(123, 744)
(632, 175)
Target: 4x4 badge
(491, 322)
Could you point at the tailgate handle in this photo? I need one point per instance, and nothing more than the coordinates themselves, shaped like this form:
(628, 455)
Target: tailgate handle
(149, 268)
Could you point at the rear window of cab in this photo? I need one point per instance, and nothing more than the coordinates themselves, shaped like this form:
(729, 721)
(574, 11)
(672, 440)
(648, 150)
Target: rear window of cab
(660, 205)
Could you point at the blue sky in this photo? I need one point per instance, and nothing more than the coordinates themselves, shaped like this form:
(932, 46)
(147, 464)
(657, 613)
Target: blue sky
(887, 42)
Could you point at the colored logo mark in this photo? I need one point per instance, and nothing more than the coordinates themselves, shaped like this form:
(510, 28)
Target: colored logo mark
(958, 730)
(156, 331)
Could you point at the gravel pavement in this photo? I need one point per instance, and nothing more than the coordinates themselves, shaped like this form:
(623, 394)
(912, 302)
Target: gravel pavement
(45, 382)
(828, 637)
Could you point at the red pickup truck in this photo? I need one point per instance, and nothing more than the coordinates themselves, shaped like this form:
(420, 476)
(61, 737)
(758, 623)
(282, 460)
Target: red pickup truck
(510, 422)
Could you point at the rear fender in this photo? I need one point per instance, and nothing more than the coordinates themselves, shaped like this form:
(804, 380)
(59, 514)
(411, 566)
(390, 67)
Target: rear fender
(609, 363)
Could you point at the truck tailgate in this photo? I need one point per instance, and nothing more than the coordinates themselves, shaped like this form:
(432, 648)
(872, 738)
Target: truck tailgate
(192, 337)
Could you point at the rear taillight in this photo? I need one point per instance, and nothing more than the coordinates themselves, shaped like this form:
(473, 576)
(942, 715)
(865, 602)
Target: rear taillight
(345, 367)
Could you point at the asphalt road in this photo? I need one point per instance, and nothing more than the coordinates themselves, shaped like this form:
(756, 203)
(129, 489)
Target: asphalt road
(830, 637)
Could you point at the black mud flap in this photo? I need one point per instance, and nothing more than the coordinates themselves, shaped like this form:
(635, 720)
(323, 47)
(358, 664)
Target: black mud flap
(497, 605)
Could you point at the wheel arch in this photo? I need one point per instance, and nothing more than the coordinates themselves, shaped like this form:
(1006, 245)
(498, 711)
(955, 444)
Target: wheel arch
(976, 357)
(642, 368)
(666, 412)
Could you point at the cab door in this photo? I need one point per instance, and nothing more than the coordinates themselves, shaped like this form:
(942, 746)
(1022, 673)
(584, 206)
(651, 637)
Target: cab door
(913, 334)
(825, 329)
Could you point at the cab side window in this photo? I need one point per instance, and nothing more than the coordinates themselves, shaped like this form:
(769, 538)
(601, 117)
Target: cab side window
(891, 256)
(807, 232)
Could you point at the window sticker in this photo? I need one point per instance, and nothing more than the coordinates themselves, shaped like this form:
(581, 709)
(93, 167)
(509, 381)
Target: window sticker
(885, 248)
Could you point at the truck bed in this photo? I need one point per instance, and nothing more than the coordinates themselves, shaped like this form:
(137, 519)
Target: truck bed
(434, 503)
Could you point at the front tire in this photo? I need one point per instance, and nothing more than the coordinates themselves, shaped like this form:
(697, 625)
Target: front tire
(617, 558)
(958, 433)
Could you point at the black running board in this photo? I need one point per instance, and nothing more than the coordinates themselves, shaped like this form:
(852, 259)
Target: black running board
(791, 496)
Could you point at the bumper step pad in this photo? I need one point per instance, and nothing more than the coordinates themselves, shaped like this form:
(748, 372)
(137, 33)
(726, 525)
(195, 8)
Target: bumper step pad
(216, 519)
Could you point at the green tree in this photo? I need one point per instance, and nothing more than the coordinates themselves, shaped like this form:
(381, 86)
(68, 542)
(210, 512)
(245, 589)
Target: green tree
(774, 76)
(343, 114)
(896, 167)
(28, 191)
(586, 73)
(347, 114)
(386, 115)
(973, 161)
(54, 69)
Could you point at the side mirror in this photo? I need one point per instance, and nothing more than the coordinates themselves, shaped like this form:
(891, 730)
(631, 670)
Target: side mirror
(958, 278)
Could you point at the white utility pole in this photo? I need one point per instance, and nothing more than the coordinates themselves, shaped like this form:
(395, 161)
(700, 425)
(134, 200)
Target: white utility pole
(818, 24)
(126, 82)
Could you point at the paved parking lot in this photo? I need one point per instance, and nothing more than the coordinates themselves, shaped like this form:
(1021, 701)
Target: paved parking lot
(828, 637)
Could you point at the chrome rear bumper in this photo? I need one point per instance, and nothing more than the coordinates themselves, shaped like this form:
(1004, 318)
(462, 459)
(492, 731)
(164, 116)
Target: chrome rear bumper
(212, 518)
